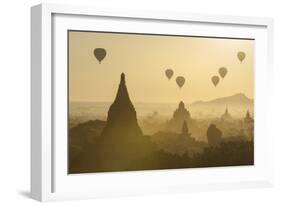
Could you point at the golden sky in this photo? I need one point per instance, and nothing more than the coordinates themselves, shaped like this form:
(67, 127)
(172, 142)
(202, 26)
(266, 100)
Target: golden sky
(144, 59)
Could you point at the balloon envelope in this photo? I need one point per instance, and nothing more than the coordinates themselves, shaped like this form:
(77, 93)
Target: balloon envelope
(222, 72)
(215, 80)
(241, 56)
(169, 73)
(180, 81)
(100, 53)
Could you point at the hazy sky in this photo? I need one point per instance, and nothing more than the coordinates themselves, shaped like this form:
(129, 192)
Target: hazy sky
(144, 59)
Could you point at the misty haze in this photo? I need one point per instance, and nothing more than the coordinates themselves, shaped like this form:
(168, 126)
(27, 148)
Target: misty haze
(145, 102)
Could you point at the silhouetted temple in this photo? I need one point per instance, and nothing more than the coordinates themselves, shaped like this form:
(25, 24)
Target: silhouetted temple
(122, 117)
(121, 144)
(248, 118)
(226, 116)
(180, 115)
(248, 126)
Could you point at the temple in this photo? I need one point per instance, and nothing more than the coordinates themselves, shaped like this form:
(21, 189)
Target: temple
(122, 117)
(226, 116)
(180, 115)
(248, 118)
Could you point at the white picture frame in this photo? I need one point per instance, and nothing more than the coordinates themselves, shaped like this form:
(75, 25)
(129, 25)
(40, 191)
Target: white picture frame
(49, 179)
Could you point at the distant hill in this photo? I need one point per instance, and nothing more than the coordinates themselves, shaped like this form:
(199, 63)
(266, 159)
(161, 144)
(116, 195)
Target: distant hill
(236, 100)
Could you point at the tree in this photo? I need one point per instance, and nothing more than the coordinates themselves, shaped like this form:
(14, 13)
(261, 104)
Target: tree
(214, 135)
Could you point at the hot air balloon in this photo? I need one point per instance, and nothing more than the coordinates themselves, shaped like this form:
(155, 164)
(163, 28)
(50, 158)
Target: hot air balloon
(215, 80)
(180, 81)
(241, 56)
(169, 73)
(100, 53)
(222, 72)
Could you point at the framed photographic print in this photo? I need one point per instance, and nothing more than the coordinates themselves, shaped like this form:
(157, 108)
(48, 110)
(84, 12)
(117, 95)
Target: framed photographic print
(134, 102)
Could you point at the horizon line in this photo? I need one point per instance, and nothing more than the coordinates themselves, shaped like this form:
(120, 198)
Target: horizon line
(175, 102)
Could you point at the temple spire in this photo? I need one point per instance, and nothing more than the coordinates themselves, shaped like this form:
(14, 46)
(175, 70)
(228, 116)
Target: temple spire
(122, 93)
(248, 114)
(122, 81)
(226, 116)
(248, 117)
(122, 117)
